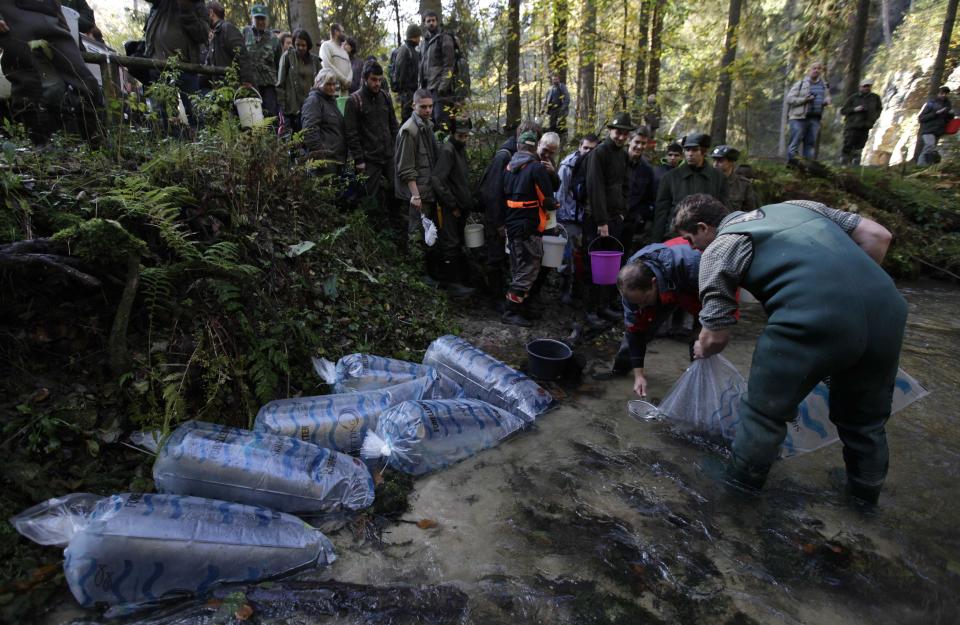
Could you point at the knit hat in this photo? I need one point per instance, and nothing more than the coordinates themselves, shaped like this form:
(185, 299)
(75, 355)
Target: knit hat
(413, 31)
(528, 138)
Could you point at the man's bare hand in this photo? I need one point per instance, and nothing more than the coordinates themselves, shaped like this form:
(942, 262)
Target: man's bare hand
(4, 29)
(639, 383)
(603, 230)
(710, 342)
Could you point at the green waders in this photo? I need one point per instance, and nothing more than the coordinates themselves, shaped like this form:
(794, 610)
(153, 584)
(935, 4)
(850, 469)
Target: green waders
(832, 312)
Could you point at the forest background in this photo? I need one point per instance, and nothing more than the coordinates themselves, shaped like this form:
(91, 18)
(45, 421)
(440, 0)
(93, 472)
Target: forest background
(721, 66)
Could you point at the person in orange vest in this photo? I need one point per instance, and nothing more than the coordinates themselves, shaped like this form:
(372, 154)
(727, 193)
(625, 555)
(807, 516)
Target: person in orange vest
(528, 190)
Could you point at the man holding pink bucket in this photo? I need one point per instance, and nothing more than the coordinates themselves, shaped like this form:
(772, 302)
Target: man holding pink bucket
(603, 222)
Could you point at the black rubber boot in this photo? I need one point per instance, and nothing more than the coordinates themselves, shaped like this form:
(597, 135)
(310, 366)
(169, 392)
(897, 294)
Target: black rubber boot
(514, 315)
(746, 477)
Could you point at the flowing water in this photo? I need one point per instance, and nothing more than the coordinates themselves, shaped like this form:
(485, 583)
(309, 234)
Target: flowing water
(595, 517)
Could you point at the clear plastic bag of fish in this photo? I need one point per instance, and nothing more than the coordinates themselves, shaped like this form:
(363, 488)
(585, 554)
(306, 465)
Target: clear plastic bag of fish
(364, 372)
(260, 469)
(337, 422)
(133, 549)
(706, 397)
(483, 377)
(418, 437)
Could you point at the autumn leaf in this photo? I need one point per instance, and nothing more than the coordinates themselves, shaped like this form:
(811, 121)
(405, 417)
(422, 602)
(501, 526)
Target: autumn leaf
(244, 612)
(426, 524)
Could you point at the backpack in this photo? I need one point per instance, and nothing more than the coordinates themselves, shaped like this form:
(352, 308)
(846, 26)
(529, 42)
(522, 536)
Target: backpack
(461, 66)
(578, 179)
(392, 70)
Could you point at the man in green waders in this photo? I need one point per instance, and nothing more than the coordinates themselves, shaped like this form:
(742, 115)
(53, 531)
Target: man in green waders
(832, 312)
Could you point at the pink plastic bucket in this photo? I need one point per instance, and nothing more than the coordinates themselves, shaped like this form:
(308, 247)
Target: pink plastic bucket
(605, 264)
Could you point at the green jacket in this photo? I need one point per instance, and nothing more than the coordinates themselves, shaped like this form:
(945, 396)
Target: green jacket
(227, 47)
(865, 119)
(264, 51)
(740, 194)
(677, 184)
(292, 90)
(416, 156)
(809, 274)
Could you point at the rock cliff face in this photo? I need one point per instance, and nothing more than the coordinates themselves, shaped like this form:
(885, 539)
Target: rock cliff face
(902, 78)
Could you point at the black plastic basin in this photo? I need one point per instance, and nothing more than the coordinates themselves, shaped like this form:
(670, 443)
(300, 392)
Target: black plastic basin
(547, 359)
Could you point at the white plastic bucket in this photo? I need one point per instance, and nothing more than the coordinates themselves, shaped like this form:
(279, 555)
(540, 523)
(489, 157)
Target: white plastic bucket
(473, 235)
(250, 110)
(553, 248)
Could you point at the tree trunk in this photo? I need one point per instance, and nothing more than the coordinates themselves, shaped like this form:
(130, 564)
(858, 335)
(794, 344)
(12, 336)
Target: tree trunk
(586, 100)
(936, 76)
(885, 20)
(622, 82)
(558, 56)
(855, 71)
(656, 48)
(303, 14)
(513, 64)
(431, 5)
(790, 12)
(396, 13)
(643, 42)
(721, 105)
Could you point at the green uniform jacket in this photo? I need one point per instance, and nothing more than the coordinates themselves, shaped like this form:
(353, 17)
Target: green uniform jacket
(449, 179)
(416, 156)
(740, 194)
(677, 184)
(371, 126)
(292, 90)
(264, 56)
(865, 119)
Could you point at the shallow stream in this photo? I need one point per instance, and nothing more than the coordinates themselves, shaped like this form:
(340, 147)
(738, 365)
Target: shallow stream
(595, 517)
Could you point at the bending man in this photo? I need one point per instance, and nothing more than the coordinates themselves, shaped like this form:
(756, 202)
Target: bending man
(831, 312)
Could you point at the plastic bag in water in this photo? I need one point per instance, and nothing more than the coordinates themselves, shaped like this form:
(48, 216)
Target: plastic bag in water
(364, 372)
(134, 548)
(260, 469)
(485, 378)
(418, 437)
(706, 398)
(337, 422)
(812, 429)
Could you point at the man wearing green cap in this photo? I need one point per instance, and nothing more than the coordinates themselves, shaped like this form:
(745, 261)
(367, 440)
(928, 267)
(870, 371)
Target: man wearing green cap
(694, 176)
(740, 193)
(264, 51)
(405, 71)
(606, 195)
